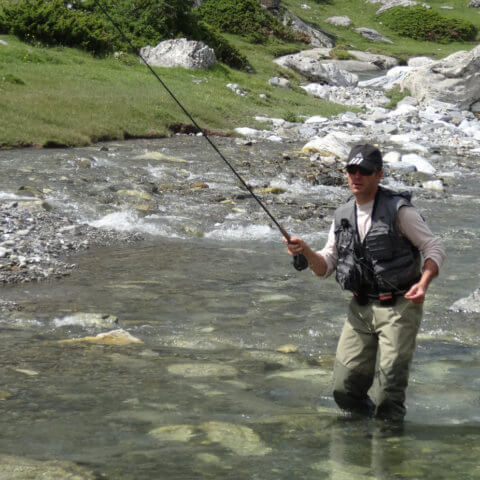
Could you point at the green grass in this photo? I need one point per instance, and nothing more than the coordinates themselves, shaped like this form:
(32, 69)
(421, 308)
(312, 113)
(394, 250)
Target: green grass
(65, 96)
(71, 98)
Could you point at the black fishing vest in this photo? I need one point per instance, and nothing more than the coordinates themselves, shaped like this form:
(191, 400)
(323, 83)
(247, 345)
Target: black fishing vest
(386, 262)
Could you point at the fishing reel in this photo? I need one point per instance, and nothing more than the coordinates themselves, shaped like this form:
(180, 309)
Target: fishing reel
(300, 262)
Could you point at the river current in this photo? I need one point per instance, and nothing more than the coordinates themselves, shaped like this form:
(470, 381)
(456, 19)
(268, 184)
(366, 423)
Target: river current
(211, 293)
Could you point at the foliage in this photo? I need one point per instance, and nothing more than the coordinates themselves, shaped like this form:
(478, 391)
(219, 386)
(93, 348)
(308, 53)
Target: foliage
(84, 24)
(142, 21)
(244, 17)
(52, 23)
(421, 23)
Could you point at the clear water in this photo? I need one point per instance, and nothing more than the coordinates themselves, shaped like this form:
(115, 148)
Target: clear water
(212, 313)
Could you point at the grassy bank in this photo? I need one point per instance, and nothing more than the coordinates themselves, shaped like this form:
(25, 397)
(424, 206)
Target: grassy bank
(65, 96)
(363, 14)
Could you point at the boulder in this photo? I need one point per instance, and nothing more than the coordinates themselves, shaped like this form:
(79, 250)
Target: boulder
(388, 4)
(335, 143)
(318, 71)
(179, 53)
(474, 4)
(416, 62)
(470, 304)
(318, 38)
(372, 35)
(279, 82)
(339, 21)
(454, 79)
(374, 60)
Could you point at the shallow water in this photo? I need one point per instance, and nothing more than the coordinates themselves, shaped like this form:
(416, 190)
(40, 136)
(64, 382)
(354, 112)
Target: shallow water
(207, 395)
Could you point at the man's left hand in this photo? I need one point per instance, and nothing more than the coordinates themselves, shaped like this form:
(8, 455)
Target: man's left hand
(416, 294)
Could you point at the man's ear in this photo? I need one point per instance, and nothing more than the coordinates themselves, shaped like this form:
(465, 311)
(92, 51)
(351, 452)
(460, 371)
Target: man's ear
(380, 174)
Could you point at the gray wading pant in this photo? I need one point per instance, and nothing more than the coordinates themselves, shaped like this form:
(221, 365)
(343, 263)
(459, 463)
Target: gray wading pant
(372, 328)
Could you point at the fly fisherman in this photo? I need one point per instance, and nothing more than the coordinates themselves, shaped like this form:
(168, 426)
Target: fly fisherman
(374, 244)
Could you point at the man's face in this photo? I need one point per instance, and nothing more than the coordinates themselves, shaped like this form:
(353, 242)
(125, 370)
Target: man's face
(364, 187)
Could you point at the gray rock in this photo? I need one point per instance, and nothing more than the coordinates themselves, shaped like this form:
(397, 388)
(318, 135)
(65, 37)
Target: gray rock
(474, 4)
(417, 62)
(454, 79)
(339, 21)
(318, 38)
(470, 304)
(372, 35)
(383, 62)
(388, 4)
(317, 71)
(3, 42)
(279, 82)
(179, 53)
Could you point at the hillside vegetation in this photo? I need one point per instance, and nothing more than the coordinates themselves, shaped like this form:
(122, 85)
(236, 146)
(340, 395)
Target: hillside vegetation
(68, 77)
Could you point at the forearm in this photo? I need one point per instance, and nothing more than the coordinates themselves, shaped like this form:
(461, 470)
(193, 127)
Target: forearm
(316, 262)
(430, 271)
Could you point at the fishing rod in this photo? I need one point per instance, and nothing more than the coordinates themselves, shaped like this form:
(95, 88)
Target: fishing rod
(299, 260)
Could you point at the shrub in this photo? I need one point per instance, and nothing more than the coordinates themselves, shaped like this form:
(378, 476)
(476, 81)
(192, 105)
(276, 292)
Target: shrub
(244, 17)
(52, 23)
(421, 23)
(83, 24)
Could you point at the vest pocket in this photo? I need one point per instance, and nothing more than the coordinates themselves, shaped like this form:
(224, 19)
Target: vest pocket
(380, 247)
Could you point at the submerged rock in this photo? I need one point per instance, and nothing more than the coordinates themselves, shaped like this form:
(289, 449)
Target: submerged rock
(173, 433)
(241, 440)
(194, 370)
(287, 349)
(115, 337)
(21, 468)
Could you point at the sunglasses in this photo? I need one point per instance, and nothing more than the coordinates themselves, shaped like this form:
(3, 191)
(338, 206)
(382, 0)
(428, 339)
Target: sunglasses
(353, 169)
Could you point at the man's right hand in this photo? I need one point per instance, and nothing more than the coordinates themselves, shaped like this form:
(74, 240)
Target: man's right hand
(295, 246)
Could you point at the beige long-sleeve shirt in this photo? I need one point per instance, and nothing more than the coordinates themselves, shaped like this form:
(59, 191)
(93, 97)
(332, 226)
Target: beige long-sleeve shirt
(409, 223)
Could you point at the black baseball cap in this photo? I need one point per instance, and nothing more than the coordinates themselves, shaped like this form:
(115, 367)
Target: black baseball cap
(366, 156)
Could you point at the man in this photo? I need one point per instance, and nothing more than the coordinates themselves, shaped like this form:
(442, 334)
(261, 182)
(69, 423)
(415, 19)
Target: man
(375, 243)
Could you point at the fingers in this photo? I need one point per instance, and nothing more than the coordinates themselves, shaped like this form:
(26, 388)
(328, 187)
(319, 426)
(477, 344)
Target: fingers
(416, 295)
(295, 245)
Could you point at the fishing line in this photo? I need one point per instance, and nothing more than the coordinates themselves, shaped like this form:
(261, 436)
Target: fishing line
(299, 261)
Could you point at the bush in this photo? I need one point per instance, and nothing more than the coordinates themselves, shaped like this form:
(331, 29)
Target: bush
(244, 17)
(52, 23)
(224, 51)
(421, 23)
(84, 25)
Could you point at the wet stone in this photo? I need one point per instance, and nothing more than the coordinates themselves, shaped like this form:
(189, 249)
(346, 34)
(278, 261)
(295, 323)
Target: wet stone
(196, 370)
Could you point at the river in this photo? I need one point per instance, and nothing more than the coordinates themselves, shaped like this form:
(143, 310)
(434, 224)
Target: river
(212, 295)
